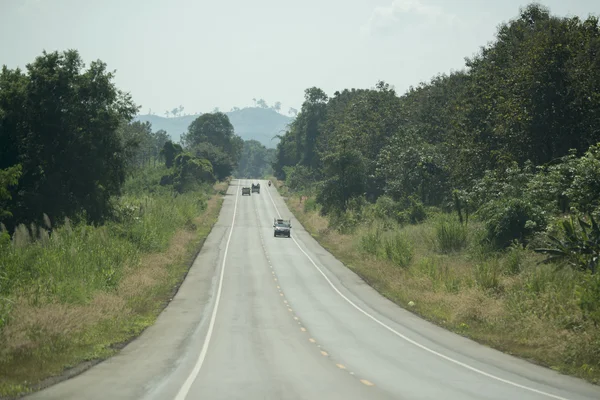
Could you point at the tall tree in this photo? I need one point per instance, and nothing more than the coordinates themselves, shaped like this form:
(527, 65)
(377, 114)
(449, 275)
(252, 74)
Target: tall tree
(60, 121)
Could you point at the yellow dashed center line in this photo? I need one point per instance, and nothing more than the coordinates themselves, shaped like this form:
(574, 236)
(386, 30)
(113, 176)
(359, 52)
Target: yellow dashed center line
(296, 318)
(340, 366)
(303, 329)
(281, 294)
(366, 382)
(324, 353)
(289, 309)
(312, 340)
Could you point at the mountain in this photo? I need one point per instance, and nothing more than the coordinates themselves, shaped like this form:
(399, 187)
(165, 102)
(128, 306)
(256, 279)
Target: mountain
(260, 124)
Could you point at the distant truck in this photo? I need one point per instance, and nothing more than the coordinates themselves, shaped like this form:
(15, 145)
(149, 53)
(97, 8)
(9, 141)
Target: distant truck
(256, 188)
(282, 227)
(246, 190)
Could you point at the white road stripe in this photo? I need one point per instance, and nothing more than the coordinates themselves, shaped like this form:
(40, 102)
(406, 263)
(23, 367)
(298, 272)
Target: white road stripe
(181, 395)
(409, 339)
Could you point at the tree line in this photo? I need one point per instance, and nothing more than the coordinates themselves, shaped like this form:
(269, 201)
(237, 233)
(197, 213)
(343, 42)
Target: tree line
(68, 142)
(512, 136)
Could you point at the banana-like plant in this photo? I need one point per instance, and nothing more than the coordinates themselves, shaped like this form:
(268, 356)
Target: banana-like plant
(579, 246)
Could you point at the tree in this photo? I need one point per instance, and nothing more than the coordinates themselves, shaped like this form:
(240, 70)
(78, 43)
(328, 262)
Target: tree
(277, 106)
(255, 161)
(293, 111)
(211, 136)
(262, 103)
(170, 151)
(60, 122)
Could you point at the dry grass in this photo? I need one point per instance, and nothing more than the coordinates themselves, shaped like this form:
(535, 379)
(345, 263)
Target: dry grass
(45, 339)
(507, 302)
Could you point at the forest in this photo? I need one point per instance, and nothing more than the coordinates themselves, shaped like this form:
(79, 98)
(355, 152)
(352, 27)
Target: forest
(473, 198)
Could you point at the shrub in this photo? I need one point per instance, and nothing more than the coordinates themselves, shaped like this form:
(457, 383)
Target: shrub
(370, 241)
(578, 246)
(450, 234)
(511, 219)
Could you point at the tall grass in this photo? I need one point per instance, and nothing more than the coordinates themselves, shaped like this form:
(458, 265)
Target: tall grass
(451, 235)
(85, 287)
(392, 246)
(458, 279)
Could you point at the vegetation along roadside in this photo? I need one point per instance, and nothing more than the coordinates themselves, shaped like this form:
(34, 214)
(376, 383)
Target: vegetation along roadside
(472, 199)
(94, 243)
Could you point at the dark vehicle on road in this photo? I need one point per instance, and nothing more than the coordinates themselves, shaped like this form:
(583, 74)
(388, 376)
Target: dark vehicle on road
(282, 227)
(246, 190)
(269, 183)
(256, 188)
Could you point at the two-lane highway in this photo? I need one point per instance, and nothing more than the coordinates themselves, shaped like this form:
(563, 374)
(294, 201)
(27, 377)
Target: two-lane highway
(260, 317)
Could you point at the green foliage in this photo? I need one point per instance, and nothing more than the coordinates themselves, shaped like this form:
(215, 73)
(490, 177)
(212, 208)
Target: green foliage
(398, 249)
(169, 151)
(190, 172)
(415, 213)
(255, 161)
(450, 234)
(299, 178)
(578, 246)
(589, 293)
(60, 122)
(141, 145)
(487, 275)
(391, 246)
(511, 219)
(8, 178)
(71, 262)
(211, 137)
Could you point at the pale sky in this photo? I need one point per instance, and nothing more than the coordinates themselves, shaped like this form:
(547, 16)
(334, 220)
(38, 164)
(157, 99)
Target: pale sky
(205, 54)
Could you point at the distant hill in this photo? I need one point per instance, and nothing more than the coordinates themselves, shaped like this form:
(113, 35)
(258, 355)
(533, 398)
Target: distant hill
(250, 123)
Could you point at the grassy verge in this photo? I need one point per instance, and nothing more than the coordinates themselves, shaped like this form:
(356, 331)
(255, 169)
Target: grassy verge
(440, 271)
(79, 293)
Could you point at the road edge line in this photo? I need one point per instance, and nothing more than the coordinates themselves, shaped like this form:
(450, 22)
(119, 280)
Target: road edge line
(185, 388)
(409, 340)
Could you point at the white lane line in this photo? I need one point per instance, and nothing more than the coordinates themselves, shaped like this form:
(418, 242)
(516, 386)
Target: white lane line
(181, 395)
(452, 360)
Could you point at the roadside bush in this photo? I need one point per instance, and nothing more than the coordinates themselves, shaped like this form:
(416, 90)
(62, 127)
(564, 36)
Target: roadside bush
(450, 234)
(511, 219)
(370, 241)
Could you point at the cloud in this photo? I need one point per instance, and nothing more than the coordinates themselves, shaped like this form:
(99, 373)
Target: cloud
(385, 20)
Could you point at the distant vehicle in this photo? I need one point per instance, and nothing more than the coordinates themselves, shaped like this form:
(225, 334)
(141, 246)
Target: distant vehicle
(282, 227)
(246, 190)
(269, 183)
(256, 188)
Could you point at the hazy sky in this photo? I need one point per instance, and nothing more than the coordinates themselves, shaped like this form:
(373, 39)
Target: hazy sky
(205, 54)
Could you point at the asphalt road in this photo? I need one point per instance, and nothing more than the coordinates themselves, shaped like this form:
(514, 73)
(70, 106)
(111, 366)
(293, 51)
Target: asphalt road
(260, 317)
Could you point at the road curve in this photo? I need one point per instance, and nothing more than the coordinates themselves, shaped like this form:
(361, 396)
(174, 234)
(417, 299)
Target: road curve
(260, 317)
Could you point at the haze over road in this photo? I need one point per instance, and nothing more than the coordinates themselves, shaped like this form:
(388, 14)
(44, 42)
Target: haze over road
(260, 317)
